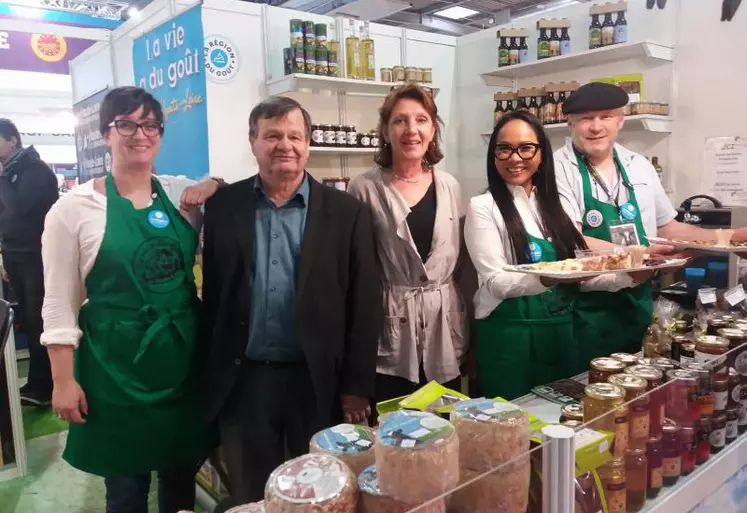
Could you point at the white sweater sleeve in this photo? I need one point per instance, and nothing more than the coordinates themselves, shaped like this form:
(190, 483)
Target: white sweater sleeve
(62, 280)
(488, 252)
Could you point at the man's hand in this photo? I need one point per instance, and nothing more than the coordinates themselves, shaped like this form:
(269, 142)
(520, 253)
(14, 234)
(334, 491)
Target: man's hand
(69, 401)
(4, 275)
(355, 409)
(641, 276)
(197, 194)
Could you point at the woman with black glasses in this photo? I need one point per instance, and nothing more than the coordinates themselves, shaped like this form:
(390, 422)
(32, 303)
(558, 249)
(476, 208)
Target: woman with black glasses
(524, 327)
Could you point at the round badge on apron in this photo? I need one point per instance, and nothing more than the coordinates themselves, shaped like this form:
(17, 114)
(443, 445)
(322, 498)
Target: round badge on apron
(594, 218)
(628, 211)
(158, 219)
(535, 252)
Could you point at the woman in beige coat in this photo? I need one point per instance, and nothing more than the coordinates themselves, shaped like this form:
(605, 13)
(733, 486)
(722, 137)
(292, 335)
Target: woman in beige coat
(417, 212)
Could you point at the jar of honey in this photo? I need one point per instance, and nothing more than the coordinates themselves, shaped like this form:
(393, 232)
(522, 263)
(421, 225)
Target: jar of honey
(710, 350)
(627, 359)
(657, 394)
(671, 452)
(638, 407)
(612, 475)
(636, 475)
(682, 397)
(604, 410)
(573, 411)
(655, 472)
(600, 369)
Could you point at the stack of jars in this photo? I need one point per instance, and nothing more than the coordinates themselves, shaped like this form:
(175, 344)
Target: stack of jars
(342, 136)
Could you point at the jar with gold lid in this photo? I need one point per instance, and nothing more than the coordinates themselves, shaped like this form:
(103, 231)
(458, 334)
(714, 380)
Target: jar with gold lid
(682, 397)
(638, 407)
(680, 326)
(600, 369)
(419, 75)
(710, 350)
(573, 424)
(636, 475)
(612, 475)
(411, 74)
(678, 339)
(664, 364)
(427, 75)
(705, 399)
(604, 410)
(386, 75)
(398, 73)
(715, 324)
(657, 394)
(573, 411)
(737, 338)
(627, 359)
(735, 389)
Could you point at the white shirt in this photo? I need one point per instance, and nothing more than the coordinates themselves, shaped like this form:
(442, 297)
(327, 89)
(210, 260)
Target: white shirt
(73, 231)
(489, 247)
(653, 204)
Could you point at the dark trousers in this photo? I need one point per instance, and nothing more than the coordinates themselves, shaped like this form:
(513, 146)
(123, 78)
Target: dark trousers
(26, 274)
(391, 387)
(176, 491)
(271, 409)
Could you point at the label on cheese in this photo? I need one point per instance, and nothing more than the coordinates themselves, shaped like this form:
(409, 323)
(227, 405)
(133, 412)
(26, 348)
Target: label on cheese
(368, 481)
(409, 429)
(487, 410)
(311, 478)
(345, 439)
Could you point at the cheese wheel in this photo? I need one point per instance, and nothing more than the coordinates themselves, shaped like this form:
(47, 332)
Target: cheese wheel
(373, 501)
(505, 490)
(313, 483)
(350, 443)
(255, 507)
(490, 432)
(417, 456)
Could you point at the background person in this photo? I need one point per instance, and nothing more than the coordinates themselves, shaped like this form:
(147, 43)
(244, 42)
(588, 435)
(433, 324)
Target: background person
(417, 211)
(292, 299)
(121, 242)
(28, 188)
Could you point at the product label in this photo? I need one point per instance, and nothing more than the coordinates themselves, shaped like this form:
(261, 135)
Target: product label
(621, 34)
(342, 137)
(718, 437)
(513, 56)
(524, 55)
(310, 479)
(608, 35)
(330, 137)
(352, 139)
(543, 49)
(616, 499)
(409, 429)
(321, 67)
(672, 467)
(554, 48)
(736, 394)
(334, 69)
(503, 57)
(714, 359)
(655, 477)
(375, 142)
(368, 481)
(595, 38)
(732, 429)
(345, 439)
(707, 296)
(740, 363)
(719, 400)
(487, 410)
(565, 47)
(317, 136)
(639, 425)
(365, 141)
(621, 437)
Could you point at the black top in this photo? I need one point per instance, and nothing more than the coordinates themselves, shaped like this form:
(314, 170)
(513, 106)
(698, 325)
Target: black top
(421, 220)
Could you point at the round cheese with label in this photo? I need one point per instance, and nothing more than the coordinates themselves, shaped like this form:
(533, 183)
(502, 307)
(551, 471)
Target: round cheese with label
(350, 443)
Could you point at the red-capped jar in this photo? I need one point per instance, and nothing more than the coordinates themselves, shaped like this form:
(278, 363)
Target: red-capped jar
(671, 452)
(654, 378)
(704, 441)
(689, 446)
(682, 397)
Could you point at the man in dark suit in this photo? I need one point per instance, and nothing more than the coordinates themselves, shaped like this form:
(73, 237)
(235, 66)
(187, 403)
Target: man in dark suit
(292, 299)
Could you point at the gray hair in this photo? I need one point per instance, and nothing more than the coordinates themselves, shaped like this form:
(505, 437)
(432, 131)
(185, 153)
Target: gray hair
(277, 107)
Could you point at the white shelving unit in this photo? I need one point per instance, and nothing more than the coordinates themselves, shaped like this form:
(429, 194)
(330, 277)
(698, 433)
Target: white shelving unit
(322, 150)
(300, 82)
(645, 50)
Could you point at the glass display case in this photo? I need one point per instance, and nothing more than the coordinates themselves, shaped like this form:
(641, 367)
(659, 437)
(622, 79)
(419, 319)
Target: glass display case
(12, 442)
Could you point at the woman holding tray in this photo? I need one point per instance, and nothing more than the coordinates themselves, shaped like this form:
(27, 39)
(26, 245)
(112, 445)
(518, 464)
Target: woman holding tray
(524, 327)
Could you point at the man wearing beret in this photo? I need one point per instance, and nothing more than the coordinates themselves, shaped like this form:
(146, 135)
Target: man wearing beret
(614, 195)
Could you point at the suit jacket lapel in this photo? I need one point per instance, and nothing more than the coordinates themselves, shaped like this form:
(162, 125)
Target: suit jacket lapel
(312, 234)
(244, 214)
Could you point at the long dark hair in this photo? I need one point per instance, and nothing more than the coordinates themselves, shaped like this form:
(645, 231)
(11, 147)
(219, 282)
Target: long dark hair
(556, 224)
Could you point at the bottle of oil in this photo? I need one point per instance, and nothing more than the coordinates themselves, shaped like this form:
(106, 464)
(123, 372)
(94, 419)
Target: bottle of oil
(353, 52)
(333, 50)
(367, 60)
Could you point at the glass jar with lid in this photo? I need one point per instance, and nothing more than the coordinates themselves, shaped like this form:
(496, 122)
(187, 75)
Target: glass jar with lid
(374, 139)
(735, 389)
(386, 75)
(678, 339)
(715, 324)
(710, 350)
(341, 139)
(671, 452)
(398, 73)
(573, 411)
(351, 136)
(718, 432)
(689, 446)
(330, 135)
(604, 410)
(704, 440)
(705, 399)
(687, 353)
(317, 135)
(419, 75)
(732, 425)
(636, 475)
(600, 369)
(411, 74)
(682, 397)
(737, 338)
(720, 393)
(612, 475)
(427, 75)
(664, 364)
(657, 394)
(655, 467)
(638, 407)
(680, 326)
(628, 359)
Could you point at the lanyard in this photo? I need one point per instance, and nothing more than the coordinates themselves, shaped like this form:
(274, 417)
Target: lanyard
(599, 181)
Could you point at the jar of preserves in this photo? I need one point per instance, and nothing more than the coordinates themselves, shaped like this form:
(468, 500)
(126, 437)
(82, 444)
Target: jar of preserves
(704, 440)
(720, 393)
(386, 75)
(398, 73)
(735, 389)
(410, 74)
(374, 139)
(680, 326)
(718, 432)
(705, 399)
(657, 394)
(600, 369)
(638, 407)
(628, 359)
(612, 475)
(715, 324)
(742, 422)
(317, 135)
(678, 340)
(710, 350)
(351, 136)
(604, 410)
(732, 425)
(664, 364)
(736, 338)
(645, 361)
(671, 448)
(342, 136)
(419, 75)
(636, 476)
(330, 135)
(364, 140)
(655, 469)
(682, 397)
(687, 353)
(688, 444)
(427, 75)
(573, 411)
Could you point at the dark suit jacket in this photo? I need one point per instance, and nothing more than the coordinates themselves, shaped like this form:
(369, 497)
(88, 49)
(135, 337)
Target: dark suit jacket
(339, 305)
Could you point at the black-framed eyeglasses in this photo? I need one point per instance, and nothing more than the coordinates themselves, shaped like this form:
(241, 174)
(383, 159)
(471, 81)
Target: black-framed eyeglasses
(127, 128)
(525, 151)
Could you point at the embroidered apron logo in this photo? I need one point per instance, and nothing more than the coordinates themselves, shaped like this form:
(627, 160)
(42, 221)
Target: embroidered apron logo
(535, 252)
(159, 265)
(594, 218)
(628, 211)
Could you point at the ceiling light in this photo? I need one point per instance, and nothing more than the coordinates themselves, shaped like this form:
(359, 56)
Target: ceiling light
(456, 13)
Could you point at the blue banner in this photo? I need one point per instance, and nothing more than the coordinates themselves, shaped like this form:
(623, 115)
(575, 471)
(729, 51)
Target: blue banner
(169, 62)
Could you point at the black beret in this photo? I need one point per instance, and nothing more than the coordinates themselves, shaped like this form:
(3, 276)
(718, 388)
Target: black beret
(595, 96)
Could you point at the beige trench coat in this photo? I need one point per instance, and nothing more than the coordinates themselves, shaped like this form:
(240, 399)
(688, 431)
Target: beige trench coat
(426, 315)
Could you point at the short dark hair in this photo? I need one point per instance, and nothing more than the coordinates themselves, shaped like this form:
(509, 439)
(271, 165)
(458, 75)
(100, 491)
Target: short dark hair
(277, 107)
(424, 97)
(8, 130)
(123, 101)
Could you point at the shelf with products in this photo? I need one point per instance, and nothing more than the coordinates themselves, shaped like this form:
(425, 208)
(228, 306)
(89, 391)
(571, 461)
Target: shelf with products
(341, 151)
(646, 50)
(300, 82)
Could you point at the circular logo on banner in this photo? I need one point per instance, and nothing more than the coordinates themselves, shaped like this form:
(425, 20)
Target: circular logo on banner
(221, 58)
(594, 218)
(48, 47)
(535, 252)
(158, 219)
(628, 211)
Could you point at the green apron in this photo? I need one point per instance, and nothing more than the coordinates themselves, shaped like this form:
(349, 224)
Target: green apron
(139, 362)
(527, 341)
(610, 322)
